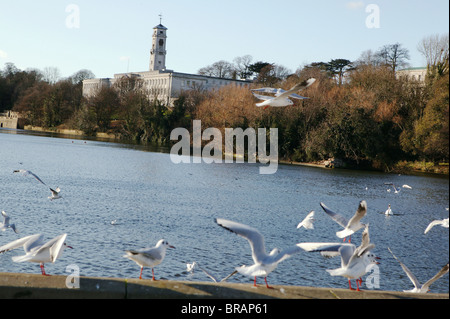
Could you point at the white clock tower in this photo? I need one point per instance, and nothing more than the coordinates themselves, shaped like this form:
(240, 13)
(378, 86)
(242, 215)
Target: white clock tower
(158, 51)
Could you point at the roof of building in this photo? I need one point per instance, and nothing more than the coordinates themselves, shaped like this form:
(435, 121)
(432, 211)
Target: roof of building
(160, 26)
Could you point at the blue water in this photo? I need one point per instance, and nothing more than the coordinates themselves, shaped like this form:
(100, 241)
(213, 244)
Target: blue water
(152, 198)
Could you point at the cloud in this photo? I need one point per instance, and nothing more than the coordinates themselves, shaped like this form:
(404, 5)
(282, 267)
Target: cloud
(3, 54)
(354, 5)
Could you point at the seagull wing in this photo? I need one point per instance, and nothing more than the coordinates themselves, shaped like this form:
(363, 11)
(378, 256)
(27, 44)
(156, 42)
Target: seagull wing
(432, 224)
(441, 273)
(308, 221)
(208, 274)
(26, 172)
(57, 247)
(299, 97)
(27, 243)
(347, 254)
(365, 243)
(230, 275)
(326, 249)
(5, 218)
(338, 218)
(285, 254)
(360, 213)
(269, 90)
(408, 272)
(263, 97)
(253, 236)
(298, 87)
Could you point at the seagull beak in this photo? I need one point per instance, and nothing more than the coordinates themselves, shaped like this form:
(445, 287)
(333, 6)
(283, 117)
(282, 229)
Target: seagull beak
(170, 246)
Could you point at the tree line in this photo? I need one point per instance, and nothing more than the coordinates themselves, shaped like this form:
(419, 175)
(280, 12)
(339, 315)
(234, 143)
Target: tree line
(358, 111)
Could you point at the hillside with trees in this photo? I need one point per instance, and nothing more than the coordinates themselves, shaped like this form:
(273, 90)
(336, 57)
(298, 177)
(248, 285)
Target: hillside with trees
(357, 111)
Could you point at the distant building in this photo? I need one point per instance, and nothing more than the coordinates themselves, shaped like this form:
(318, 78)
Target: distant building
(160, 83)
(415, 74)
(9, 119)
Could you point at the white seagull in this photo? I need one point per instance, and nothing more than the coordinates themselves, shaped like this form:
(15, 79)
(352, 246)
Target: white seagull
(191, 267)
(351, 226)
(388, 211)
(37, 250)
(281, 97)
(55, 192)
(6, 224)
(443, 223)
(396, 190)
(264, 263)
(149, 257)
(354, 261)
(307, 223)
(418, 288)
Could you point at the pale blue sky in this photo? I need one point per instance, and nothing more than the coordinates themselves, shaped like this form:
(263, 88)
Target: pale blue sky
(34, 34)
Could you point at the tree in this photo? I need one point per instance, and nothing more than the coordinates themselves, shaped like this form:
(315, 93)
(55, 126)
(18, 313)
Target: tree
(432, 129)
(242, 66)
(393, 55)
(51, 74)
(339, 67)
(435, 49)
(258, 66)
(81, 75)
(220, 69)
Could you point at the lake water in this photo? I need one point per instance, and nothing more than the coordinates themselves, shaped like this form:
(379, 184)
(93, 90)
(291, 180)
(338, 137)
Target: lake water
(152, 198)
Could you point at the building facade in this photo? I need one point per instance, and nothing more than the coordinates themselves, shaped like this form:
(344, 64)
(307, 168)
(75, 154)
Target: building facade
(415, 74)
(159, 82)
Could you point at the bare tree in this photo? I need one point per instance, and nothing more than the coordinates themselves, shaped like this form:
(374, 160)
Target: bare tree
(394, 56)
(51, 74)
(220, 69)
(367, 57)
(242, 66)
(435, 49)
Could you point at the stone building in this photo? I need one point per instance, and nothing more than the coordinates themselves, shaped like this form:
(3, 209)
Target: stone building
(9, 119)
(415, 74)
(159, 82)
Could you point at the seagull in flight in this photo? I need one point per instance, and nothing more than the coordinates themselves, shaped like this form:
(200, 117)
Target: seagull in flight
(149, 257)
(351, 226)
(37, 250)
(281, 97)
(264, 263)
(192, 266)
(396, 190)
(354, 260)
(6, 224)
(418, 288)
(307, 223)
(55, 192)
(443, 223)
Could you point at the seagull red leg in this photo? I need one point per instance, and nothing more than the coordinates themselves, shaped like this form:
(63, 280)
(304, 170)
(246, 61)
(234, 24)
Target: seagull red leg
(140, 275)
(43, 270)
(254, 282)
(267, 285)
(153, 275)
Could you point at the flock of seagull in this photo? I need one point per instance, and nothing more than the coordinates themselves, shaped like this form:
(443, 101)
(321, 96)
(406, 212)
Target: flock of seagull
(355, 260)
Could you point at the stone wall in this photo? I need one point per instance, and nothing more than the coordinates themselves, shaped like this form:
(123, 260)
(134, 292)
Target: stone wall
(9, 119)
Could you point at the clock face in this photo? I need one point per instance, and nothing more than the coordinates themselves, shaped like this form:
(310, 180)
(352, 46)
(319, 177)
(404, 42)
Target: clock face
(161, 42)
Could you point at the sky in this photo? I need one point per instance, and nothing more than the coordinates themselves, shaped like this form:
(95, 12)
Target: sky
(114, 36)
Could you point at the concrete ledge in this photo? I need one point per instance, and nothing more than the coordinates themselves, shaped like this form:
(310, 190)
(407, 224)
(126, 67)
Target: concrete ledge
(34, 286)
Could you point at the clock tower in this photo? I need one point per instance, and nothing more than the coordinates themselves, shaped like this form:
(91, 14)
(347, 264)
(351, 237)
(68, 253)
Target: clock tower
(158, 51)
